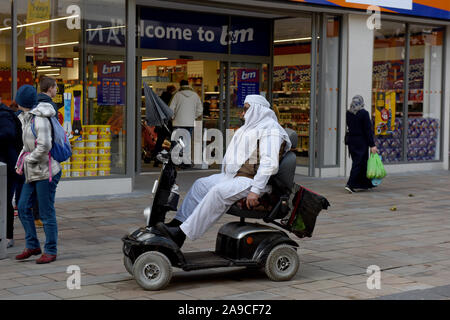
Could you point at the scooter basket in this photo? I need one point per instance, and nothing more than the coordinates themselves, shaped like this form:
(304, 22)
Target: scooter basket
(306, 207)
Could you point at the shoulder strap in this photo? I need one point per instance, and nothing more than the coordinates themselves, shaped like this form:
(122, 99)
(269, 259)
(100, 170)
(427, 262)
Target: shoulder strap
(33, 129)
(32, 126)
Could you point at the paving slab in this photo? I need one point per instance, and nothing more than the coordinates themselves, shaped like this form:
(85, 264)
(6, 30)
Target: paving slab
(410, 246)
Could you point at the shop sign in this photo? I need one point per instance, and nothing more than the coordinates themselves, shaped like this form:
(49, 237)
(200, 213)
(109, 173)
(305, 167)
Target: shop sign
(110, 33)
(389, 74)
(38, 34)
(399, 4)
(110, 88)
(192, 31)
(300, 73)
(248, 83)
(55, 62)
(437, 9)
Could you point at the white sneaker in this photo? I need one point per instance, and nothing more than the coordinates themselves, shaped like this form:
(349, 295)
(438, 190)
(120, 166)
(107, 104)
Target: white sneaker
(349, 189)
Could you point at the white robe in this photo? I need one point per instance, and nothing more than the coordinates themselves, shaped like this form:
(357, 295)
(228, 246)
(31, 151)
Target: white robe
(210, 197)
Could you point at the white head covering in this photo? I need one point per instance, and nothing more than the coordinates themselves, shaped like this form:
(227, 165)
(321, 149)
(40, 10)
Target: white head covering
(260, 121)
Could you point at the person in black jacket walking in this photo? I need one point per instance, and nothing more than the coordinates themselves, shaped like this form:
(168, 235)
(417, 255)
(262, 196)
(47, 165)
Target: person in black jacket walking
(10, 147)
(360, 139)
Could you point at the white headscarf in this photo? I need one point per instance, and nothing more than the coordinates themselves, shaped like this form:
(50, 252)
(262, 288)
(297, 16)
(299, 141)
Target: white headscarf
(260, 121)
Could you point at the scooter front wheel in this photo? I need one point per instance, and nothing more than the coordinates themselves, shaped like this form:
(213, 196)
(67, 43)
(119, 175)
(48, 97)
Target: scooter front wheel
(152, 270)
(282, 263)
(128, 264)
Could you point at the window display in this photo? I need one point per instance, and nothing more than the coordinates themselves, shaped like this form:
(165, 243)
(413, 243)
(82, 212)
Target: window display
(425, 92)
(423, 111)
(388, 91)
(90, 111)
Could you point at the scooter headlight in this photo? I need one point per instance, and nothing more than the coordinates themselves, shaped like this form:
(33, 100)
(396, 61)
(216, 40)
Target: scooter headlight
(147, 214)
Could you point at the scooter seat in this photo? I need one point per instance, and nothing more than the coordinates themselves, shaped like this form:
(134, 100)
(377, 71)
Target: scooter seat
(244, 213)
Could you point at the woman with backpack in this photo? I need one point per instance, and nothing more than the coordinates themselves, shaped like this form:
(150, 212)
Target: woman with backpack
(42, 174)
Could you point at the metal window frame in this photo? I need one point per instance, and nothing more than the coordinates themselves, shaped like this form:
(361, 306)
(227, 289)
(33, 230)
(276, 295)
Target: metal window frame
(130, 69)
(313, 96)
(14, 57)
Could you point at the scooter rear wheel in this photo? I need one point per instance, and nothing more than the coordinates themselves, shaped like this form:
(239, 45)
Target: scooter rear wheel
(152, 270)
(282, 263)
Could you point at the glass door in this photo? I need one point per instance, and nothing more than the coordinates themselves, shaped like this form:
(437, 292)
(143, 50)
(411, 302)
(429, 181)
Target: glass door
(292, 65)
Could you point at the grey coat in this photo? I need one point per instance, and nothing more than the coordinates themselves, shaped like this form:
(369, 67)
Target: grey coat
(36, 164)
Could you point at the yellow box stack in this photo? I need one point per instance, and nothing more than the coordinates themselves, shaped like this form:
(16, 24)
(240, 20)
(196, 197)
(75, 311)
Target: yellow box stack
(76, 165)
(97, 150)
(104, 150)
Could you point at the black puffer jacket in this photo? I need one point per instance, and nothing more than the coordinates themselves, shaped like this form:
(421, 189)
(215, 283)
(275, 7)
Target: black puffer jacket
(10, 137)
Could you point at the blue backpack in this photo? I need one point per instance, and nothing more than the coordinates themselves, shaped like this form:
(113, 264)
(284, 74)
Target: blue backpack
(61, 149)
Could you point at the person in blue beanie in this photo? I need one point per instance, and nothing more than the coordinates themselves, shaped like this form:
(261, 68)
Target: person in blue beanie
(42, 174)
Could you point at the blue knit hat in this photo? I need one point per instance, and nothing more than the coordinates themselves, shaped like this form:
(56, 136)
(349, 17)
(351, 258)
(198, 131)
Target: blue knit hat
(26, 96)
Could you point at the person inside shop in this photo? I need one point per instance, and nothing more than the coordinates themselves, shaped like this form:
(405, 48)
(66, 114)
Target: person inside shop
(162, 133)
(42, 174)
(245, 173)
(10, 146)
(187, 107)
(360, 138)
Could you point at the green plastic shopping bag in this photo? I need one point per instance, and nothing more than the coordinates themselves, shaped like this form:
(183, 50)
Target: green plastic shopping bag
(375, 168)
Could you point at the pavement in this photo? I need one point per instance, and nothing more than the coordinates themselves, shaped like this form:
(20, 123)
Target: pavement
(402, 227)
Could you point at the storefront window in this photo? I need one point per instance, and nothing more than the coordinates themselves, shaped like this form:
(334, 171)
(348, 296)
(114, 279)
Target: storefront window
(425, 92)
(49, 45)
(292, 79)
(388, 90)
(5, 53)
(91, 86)
(105, 88)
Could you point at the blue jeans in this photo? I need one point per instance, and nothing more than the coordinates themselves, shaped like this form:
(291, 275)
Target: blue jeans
(45, 193)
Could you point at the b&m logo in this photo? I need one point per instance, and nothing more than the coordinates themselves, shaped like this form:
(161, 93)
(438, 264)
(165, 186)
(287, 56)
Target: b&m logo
(248, 75)
(110, 69)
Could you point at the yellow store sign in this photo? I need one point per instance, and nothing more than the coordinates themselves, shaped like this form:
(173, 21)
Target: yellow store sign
(38, 10)
(384, 113)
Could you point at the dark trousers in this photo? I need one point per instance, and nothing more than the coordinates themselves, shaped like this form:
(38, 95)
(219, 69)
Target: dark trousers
(11, 181)
(358, 178)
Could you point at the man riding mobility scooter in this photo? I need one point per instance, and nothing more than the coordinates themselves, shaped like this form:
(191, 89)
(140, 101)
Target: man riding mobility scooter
(149, 255)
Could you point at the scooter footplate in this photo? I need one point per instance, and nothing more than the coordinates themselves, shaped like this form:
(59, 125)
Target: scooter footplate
(204, 260)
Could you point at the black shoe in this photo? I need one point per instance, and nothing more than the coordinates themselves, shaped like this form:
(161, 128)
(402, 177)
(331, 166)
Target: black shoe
(174, 233)
(174, 223)
(349, 189)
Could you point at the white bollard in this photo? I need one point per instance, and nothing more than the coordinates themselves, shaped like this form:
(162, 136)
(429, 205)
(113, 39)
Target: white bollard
(3, 208)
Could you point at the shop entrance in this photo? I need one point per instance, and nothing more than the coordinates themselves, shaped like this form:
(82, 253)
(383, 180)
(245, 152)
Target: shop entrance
(221, 87)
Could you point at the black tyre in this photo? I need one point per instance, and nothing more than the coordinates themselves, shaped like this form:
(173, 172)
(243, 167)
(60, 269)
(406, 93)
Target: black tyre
(282, 263)
(128, 264)
(152, 270)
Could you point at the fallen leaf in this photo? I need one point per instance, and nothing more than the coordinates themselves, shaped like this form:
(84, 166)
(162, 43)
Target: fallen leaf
(394, 208)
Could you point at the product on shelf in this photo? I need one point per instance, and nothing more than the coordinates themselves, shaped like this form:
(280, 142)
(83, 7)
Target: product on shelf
(421, 141)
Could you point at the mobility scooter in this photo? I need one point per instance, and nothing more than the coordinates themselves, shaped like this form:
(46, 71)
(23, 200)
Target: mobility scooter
(149, 255)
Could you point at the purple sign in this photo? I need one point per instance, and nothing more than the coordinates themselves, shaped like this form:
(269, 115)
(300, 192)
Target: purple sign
(110, 85)
(248, 83)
